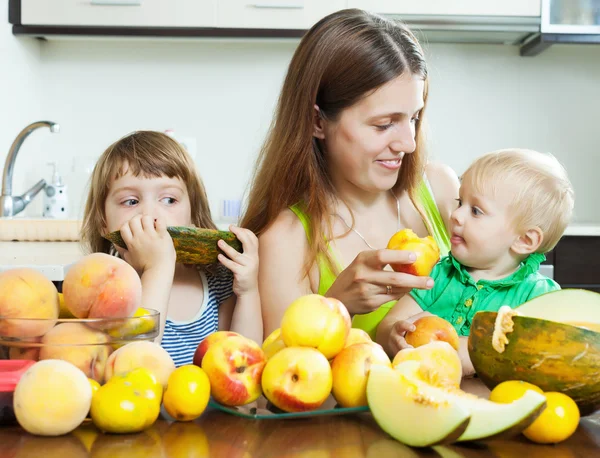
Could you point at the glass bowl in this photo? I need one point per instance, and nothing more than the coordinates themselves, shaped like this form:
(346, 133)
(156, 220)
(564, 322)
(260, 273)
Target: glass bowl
(87, 342)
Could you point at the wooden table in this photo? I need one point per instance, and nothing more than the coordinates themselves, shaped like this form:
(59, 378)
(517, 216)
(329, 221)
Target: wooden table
(217, 434)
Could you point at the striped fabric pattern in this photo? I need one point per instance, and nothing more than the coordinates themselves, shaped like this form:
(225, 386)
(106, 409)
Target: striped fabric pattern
(181, 339)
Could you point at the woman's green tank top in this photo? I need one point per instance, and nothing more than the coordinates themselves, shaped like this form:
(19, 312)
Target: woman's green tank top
(435, 224)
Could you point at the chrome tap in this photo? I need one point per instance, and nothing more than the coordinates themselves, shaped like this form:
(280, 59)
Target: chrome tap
(11, 205)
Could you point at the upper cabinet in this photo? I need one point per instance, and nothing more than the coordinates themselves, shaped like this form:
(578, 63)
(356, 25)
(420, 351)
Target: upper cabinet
(119, 13)
(507, 8)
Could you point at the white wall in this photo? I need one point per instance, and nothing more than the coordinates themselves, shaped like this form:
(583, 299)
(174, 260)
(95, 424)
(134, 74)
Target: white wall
(20, 101)
(483, 97)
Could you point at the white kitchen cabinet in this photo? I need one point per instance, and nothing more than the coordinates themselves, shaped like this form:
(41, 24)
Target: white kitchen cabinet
(274, 14)
(520, 8)
(119, 13)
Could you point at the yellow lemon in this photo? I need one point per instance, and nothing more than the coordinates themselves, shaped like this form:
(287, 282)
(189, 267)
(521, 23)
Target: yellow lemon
(139, 323)
(118, 407)
(187, 393)
(142, 379)
(511, 390)
(557, 422)
(94, 384)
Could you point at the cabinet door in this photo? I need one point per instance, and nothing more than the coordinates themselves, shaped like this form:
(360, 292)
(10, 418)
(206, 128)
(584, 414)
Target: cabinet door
(451, 7)
(274, 14)
(119, 13)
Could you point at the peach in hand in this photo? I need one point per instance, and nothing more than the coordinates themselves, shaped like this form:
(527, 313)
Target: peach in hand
(102, 286)
(350, 369)
(426, 250)
(297, 379)
(234, 366)
(208, 341)
(318, 322)
(26, 293)
(431, 328)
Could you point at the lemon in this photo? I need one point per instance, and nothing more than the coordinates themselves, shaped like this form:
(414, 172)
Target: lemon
(142, 379)
(187, 393)
(94, 384)
(121, 407)
(557, 422)
(511, 390)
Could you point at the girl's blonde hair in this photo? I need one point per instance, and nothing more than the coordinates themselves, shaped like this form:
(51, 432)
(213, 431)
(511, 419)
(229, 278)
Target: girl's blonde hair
(542, 193)
(146, 153)
(341, 59)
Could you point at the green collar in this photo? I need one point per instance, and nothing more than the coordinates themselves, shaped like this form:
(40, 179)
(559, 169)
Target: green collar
(529, 265)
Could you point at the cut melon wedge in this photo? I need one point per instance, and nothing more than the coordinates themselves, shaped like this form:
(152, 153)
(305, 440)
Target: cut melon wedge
(575, 306)
(418, 415)
(488, 419)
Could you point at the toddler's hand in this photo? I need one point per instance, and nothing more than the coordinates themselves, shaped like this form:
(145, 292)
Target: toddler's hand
(149, 245)
(399, 330)
(243, 265)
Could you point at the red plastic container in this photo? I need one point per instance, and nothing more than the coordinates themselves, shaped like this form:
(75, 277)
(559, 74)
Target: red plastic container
(10, 374)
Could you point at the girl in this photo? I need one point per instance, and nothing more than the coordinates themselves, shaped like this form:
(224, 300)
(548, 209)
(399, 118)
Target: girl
(141, 184)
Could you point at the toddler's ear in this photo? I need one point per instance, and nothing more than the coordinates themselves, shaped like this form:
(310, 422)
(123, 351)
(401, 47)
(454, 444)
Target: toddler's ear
(529, 241)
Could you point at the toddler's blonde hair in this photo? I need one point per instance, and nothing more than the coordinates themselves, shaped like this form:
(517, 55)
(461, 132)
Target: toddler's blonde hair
(542, 197)
(149, 154)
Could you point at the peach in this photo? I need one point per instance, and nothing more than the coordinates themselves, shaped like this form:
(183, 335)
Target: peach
(102, 286)
(297, 379)
(357, 336)
(440, 363)
(52, 397)
(208, 341)
(431, 328)
(318, 322)
(234, 366)
(350, 370)
(273, 343)
(26, 293)
(148, 355)
(427, 251)
(85, 348)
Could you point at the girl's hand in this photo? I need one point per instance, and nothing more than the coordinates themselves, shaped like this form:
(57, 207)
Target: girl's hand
(243, 265)
(364, 285)
(399, 330)
(149, 245)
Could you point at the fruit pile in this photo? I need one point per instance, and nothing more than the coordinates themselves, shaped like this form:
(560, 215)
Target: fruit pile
(99, 310)
(312, 355)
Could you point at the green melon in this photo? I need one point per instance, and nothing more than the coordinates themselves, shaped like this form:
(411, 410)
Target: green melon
(543, 349)
(192, 245)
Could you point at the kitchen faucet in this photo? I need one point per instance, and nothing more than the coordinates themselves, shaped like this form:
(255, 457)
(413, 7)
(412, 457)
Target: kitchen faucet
(11, 205)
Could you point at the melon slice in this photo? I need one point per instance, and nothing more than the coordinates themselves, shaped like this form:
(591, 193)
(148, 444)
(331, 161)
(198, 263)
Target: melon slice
(488, 419)
(570, 306)
(418, 415)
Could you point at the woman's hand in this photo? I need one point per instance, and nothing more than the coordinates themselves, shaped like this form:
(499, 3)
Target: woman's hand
(149, 245)
(243, 265)
(364, 285)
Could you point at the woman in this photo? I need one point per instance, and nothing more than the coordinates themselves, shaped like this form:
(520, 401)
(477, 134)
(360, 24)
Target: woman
(343, 168)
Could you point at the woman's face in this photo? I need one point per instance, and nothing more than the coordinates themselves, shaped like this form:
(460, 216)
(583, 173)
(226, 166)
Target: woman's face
(365, 146)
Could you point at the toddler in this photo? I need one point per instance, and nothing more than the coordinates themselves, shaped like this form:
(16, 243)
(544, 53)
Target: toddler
(514, 206)
(141, 184)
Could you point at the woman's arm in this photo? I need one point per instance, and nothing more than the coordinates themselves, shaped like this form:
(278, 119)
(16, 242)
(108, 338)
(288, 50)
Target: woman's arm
(444, 184)
(283, 248)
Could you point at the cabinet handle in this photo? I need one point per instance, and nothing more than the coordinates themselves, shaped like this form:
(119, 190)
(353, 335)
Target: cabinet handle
(117, 2)
(279, 4)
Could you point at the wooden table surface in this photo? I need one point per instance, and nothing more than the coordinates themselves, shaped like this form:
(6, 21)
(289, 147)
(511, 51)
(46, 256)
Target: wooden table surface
(221, 435)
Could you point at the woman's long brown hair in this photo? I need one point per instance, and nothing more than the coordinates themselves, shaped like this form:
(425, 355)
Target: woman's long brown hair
(341, 59)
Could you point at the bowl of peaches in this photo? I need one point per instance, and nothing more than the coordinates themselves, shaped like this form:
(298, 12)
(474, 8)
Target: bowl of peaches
(98, 312)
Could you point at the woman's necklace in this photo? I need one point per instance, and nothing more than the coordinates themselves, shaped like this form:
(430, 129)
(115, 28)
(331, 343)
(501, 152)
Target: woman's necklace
(359, 234)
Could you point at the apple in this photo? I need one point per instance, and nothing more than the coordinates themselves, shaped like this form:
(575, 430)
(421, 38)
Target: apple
(318, 322)
(234, 366)
(357, 336)
(350, 370)
(273, 343)
(427, 251)
(209, 340)
(297, 379)
(431, 328)
(440, 363)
